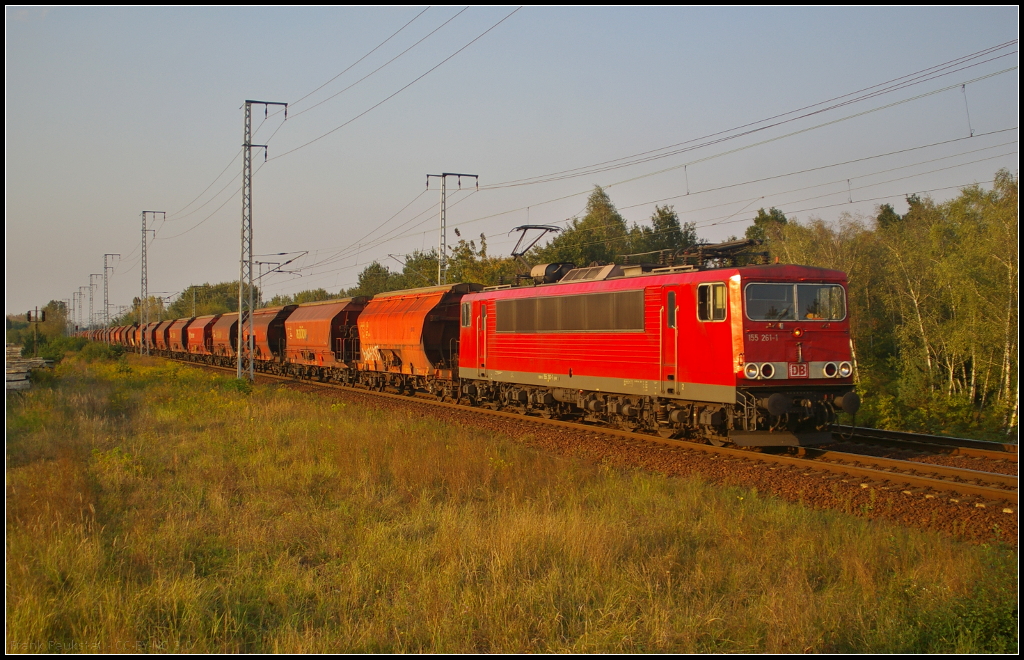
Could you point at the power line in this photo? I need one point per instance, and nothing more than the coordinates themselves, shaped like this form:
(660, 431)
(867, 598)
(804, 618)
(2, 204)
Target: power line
(407, 86)
(823, 167)
(750, 146)
(924, 75)
(239, 153)
(395, 34)
(812, 128)
(382, 65)
(387, 238)
(847, 179)
(230, 163)
(869, 185)
(727, 219)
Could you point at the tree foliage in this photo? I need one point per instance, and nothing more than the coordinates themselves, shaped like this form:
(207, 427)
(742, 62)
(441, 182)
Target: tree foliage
(602, 236)
(599, 236)
(933, 303)
(22, 333)
(309, 295)
(767, 225)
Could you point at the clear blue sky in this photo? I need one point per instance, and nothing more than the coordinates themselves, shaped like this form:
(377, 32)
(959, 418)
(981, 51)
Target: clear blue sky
(111, 111)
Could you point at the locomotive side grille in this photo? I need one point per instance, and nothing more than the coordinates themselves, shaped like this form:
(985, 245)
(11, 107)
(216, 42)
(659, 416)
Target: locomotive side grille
(594, 312)
(574, 311)
(548, 315)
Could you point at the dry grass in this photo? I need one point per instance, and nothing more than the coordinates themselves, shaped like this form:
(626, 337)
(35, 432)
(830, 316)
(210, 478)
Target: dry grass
(166, 509)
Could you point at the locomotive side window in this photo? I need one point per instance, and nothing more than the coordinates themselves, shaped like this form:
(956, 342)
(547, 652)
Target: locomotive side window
(671, 311)
(790, 302)
(465, 315)
(711, 302)
(594, 312)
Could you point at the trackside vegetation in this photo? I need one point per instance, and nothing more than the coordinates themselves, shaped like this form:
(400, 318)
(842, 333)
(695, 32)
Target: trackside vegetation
(157, 507)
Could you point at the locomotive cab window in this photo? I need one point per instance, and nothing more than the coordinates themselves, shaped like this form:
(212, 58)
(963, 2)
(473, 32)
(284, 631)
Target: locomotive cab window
(711, 302)
(823, 302)
(791, 302)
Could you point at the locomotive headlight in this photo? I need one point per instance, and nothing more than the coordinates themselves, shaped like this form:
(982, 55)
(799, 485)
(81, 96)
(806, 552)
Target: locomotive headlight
(830, 370)
(798, 332)
(750, 370)
(845, 369)
(767, 370)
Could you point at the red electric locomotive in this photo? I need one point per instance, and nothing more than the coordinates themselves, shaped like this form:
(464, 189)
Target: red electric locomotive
(753, 355)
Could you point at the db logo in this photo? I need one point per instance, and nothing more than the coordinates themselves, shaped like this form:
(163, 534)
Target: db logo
(798, 370)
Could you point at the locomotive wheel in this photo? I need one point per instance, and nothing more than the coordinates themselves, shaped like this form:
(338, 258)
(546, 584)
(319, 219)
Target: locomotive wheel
(666, 432)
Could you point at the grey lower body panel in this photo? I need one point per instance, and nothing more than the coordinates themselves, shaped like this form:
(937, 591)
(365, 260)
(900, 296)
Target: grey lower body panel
(780, 438)
(630, 386)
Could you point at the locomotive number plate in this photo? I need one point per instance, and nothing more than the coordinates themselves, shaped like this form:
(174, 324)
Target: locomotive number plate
(798, 370)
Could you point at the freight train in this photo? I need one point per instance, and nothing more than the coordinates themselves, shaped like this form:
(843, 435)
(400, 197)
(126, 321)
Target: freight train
(710, 351)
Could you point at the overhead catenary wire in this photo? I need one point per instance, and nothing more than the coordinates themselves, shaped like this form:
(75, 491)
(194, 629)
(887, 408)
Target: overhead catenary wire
(842, 180)
(478, 37)
(902, 79)
(239, 152)
(918, 74)
(824, 167)
(350, 66)
(387, 238)
(429, 34)
(617, 162)
(728, 219)
(226, 167)
(588, 190)
(399, 91)
(732, 151)
(845, 180)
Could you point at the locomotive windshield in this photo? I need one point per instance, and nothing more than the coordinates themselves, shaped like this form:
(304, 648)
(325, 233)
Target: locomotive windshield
(790, 302)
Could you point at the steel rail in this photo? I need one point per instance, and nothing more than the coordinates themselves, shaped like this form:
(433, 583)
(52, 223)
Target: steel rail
(1008, 480)
(932, 443)
(991, 493)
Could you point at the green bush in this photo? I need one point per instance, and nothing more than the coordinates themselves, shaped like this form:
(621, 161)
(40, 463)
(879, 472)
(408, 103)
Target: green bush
(54, 348)
(100, 351)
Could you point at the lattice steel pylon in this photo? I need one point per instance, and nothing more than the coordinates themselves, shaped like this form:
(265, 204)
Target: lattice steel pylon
(144, 300)
(92, 314)
(106, 290)
(81, 307)
(245, 302)
(442, 241)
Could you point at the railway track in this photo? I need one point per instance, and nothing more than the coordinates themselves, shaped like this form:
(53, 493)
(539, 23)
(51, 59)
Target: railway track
(983, 488)
(935, 444)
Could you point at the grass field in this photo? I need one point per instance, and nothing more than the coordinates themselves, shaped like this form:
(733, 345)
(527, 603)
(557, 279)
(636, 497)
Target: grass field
(156, 507)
